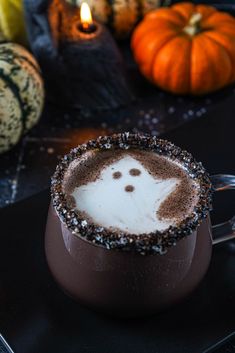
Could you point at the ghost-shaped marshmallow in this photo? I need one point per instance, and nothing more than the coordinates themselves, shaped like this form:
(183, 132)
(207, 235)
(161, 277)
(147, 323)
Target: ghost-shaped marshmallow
(126, 197)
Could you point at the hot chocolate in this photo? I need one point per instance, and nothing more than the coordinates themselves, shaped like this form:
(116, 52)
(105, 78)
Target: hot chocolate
(131, 192)
(135, 191)
(129, 229)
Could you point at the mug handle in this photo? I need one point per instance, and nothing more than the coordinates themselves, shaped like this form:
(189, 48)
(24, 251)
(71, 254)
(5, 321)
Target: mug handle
(223, 231)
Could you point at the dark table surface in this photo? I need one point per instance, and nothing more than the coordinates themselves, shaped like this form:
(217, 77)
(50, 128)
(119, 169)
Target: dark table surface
(36, 317)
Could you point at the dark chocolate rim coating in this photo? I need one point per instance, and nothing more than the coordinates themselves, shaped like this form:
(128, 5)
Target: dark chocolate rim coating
(155, 242)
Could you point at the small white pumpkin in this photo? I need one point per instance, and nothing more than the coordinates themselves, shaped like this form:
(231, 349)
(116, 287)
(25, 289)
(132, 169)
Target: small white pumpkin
(21, 93)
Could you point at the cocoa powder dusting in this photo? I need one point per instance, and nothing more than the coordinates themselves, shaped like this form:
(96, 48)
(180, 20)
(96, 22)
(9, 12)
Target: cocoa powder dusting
(177, 205)
(180, 202)
(88, 168)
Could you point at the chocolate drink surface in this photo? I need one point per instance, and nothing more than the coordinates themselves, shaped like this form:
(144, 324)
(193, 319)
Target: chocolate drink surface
(130, 191)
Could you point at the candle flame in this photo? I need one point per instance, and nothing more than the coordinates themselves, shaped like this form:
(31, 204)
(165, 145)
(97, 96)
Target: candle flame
(85, 15)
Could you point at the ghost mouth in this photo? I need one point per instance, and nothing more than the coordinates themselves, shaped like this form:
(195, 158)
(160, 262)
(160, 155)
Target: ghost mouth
(149, 240)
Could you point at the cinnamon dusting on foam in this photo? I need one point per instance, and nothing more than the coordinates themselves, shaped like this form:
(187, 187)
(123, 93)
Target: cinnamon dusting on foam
(176, 207)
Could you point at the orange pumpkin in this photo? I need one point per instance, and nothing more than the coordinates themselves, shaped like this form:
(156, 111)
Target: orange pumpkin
(187, 48)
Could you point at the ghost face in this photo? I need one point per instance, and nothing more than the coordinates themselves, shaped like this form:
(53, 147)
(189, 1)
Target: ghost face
(126, 197)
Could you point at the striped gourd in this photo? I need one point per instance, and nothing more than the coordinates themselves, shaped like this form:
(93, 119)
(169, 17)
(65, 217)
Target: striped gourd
(120, 15)
(21, 93)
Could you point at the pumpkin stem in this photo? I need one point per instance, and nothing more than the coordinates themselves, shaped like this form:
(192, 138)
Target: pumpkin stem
(193, 26)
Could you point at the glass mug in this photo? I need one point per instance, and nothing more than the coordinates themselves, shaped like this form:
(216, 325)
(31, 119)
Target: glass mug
(141, 279)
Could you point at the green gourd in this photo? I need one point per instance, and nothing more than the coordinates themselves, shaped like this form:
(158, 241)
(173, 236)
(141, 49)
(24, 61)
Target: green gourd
(21, 94)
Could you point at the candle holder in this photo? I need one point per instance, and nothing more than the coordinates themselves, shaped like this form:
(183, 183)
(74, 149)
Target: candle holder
(83, 68)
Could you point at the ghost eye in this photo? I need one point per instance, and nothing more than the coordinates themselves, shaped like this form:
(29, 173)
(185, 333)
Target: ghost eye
(117, 175)
(129, 188)
(134, 172)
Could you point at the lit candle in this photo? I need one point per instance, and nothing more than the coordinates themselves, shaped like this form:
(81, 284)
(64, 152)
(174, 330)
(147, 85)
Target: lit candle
(87, 24)
(82, 65)
(84, 27)
(95, 65)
